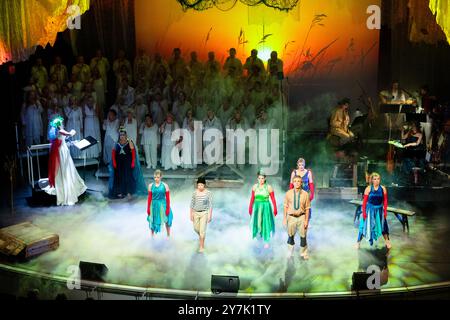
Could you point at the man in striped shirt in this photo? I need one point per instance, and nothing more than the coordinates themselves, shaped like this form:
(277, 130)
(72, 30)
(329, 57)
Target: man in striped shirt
(201, 211)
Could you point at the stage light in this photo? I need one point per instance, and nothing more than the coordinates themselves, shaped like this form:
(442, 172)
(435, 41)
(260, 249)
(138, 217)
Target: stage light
(264, 54)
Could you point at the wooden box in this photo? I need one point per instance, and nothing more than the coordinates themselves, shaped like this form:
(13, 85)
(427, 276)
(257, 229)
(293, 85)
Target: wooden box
(26, 240)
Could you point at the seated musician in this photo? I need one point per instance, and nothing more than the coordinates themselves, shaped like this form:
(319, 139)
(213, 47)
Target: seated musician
(438, 145)
(413, 156)
(339, 123)
(395, 95)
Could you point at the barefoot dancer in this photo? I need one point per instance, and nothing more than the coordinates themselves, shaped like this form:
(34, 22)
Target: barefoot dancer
(307, 180)
(158, 205)
(263, 223)
(374, 210)
(296, 216)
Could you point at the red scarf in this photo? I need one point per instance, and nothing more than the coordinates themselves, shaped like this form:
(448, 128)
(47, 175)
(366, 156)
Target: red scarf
(53, 161)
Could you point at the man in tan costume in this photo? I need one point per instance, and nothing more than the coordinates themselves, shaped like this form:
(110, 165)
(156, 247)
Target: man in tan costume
(296, 216)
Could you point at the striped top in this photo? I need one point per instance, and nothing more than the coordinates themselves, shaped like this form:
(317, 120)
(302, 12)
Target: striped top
(201, 202)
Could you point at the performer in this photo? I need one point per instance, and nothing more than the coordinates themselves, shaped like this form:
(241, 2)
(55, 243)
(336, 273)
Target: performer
(297, 208)
(201, 211)
(74, 115)
(169, 159)
(64, 181)
(158, 205)
(307, 180)
(263, 223)
(395, 95)
(124, 162)
(374, 210)
(111, 127)
(274, 68)
(191, 150)
(150, 140)
(339, 122)
(414, 151)
(92, 128)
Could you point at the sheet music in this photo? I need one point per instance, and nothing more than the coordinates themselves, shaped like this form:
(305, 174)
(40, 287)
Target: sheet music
(81, 144)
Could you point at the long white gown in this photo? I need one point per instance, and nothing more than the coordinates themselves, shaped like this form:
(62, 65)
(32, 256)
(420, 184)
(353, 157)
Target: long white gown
(132, 130)
(75, 122)
(111, 137)
(32, 120)
(92, 128)
(169, 159)
(190, 154)
(68, 183)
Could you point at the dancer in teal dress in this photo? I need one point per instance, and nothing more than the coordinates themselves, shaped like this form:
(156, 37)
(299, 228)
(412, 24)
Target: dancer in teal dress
(373, 224)
(263, 223)
(158, 206)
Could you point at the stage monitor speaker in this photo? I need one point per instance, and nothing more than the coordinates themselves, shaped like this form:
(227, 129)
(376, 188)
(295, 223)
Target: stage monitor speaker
(93, 271)
(359, 281)
(224, 284)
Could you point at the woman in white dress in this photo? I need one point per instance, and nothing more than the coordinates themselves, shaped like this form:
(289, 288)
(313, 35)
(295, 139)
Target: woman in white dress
(32, 120)
(111, 127)
(264, 137)
(92, 128)
(191, 149)
(130, 126)
(141, 110)
(64, 96)
(211, 122)
(64, 180)
(180, 107)
(170, 159)
(99, 88)
(74, 115)
(150, 141)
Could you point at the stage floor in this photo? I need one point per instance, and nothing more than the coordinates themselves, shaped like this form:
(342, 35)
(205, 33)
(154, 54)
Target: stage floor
(116, 233)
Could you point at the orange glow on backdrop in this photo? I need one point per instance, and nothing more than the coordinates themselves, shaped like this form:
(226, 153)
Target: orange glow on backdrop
(338, 39)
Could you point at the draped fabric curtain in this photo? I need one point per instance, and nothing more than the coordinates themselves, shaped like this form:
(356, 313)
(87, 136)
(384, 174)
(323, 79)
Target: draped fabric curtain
(422, 23)
(413, 48)
(441, 8)
(109, 25)
(26, 24)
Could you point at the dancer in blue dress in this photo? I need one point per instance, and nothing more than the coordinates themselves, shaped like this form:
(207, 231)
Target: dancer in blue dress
(373, 225)
(307, 180)
(158, 206)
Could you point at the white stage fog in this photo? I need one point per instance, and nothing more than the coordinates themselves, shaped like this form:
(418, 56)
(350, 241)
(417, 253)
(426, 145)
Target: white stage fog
(116, 233)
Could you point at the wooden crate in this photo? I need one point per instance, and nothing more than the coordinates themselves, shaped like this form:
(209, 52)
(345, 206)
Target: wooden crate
(26, 240)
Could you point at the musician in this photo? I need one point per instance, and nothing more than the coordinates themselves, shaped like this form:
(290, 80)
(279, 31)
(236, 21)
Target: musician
(438, 145)
(395, 95)
(426, 103)
(340, 121)
(413, 155)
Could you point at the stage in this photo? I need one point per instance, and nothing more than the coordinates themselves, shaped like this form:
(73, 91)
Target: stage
(115, 233)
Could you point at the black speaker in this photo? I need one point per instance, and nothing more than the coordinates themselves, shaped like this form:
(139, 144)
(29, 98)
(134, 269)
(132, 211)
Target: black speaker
(92, 271)
(359, 281)
(224, 284)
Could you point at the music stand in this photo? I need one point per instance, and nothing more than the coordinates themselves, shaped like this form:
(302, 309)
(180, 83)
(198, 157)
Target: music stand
(359, 120)
(416, 117)
(83, 145)
(397, 108)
